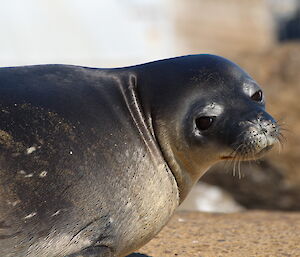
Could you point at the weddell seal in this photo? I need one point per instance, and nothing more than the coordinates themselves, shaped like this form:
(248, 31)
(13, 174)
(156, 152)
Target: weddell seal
(95, 161)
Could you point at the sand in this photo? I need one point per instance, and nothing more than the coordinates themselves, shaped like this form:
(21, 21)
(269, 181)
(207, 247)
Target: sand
(245, 234)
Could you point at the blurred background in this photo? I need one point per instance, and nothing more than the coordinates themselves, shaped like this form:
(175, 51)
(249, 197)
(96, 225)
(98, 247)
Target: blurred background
(262, 36)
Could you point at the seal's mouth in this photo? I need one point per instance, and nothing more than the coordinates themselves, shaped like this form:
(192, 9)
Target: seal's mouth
(244, 157)
(257, 138)
(227, 157)
(263, 151)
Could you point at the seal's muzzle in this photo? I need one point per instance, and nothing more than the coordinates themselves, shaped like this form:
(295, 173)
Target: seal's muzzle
(256, 136)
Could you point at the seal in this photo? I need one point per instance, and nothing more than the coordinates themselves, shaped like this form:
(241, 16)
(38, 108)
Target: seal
(95, 161)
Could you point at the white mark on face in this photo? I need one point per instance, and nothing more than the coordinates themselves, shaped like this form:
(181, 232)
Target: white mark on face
(71, 152)
(250, 87)
(22, 172)
(213, 109)
(29, 175)
(246, 88)
(43, 174)
(55, 213)
(30, 150)
(29, 216)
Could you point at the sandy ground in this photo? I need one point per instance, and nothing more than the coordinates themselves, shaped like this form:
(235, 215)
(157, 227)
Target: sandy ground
(246, 234)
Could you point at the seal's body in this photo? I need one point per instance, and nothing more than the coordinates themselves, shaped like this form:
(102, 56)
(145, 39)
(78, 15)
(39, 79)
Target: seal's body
(94, 161)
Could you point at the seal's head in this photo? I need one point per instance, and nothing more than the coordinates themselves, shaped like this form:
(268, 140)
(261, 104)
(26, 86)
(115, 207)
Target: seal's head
(205, 109)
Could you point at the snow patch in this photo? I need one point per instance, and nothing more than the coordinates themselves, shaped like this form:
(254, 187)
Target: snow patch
(43, 174)
(30, 150)
(29, 216)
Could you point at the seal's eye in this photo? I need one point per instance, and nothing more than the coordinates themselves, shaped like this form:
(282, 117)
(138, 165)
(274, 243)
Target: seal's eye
(203, 123)
(257, 96)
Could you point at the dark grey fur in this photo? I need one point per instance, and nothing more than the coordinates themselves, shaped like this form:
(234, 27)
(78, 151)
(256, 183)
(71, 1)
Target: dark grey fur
(94, 161)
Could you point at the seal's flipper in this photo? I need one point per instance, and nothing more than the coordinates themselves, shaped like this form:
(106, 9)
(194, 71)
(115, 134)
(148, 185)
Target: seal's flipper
(94, 251)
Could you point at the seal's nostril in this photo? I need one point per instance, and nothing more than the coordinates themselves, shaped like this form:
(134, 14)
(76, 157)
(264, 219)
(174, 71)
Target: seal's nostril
(263, 130)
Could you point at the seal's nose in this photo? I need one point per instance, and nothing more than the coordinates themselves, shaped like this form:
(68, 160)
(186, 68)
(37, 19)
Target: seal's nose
(267, 130)
(258, 132)
(263, 130)
(268, 126)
